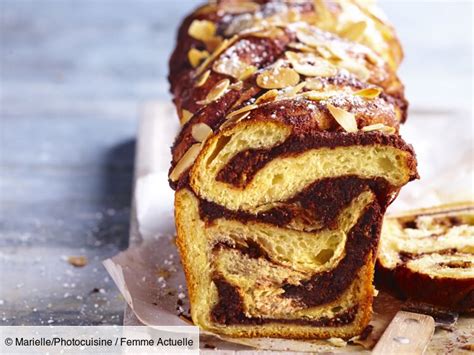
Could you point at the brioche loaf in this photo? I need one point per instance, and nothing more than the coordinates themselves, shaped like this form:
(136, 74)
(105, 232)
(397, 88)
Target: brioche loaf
(427, 255)
(288, 156)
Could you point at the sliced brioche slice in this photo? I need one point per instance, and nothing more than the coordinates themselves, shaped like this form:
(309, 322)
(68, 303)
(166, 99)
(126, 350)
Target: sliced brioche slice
(428, 255)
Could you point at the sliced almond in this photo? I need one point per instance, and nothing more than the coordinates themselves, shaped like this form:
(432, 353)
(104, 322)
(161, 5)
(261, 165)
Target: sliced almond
(238, 85)
(269, 96)
(195, 56)
(336, 50)
(313, 84)
(203, 78)
(234, 67)
(216, 92)
(201, 131)
(301, 47)
(379, 127)
(273, 32)
(292, 91)
(310, 65)
(186, 161)
(234, 119)
(355, 31)
(213, 43)
(238, 7)
(221, 48)
(369, 93)
(242, 110)
(345, 119)
(319, 95)
(185, 116)
(277, 78)
(355, 68)
(307, 37)
(202, 30)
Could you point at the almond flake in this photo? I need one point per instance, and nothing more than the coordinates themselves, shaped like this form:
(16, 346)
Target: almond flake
(301, 47)
(241, 110)
(238, 85)
(319, 95)
(235, 119)
(222, 46)
(269, 96)
(379, 127)
(292, 91)
(185, 116)
(308, 38)
(345, 119)
(309, 65)
(273, 32)
(216, 92)
(238, 7)
(355, 68)
(201, 131)
(337, 51)
(369, 93)
(195, 56)
(234, 67)
(355, 31)
(202, 30)
(277, 78)
(313, 84)
(203, 78)
(185, 162)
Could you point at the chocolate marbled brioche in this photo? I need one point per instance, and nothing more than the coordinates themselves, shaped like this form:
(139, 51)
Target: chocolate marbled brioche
(288, 156)
(427, 255)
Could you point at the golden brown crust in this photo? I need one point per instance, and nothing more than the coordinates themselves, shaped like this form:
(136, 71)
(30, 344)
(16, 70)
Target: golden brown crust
(266, 89)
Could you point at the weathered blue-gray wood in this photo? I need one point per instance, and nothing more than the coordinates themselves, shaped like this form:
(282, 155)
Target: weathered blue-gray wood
(72, 76)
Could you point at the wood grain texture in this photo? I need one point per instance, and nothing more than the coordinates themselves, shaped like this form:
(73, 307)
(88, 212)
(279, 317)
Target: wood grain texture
(408, 333)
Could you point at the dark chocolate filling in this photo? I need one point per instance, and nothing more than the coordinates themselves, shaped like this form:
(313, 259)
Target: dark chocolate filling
(320, 289)
(322, 201)
(241, 169)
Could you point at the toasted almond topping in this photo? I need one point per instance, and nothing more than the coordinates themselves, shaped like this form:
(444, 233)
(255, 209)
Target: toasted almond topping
(241, 110)
(235, 119)
(277, 78)
(234, 68)
(269, 96)
(345, 119)
(308, 38)
(379, 127)
(355, 68)
(186, 161)
(238, 7)
(238, 85)
(202, 30)
(273, 32)
(354, 31)
(313, 84)
(319, 95)
(195, 56)
(201, 131)
(216, 92)
(203, 78)
(224, 44)
(185, 116)
(369, 93)
(309, 65)
(301, 47)
(292, 91)
(324, 52)
(337, 51)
